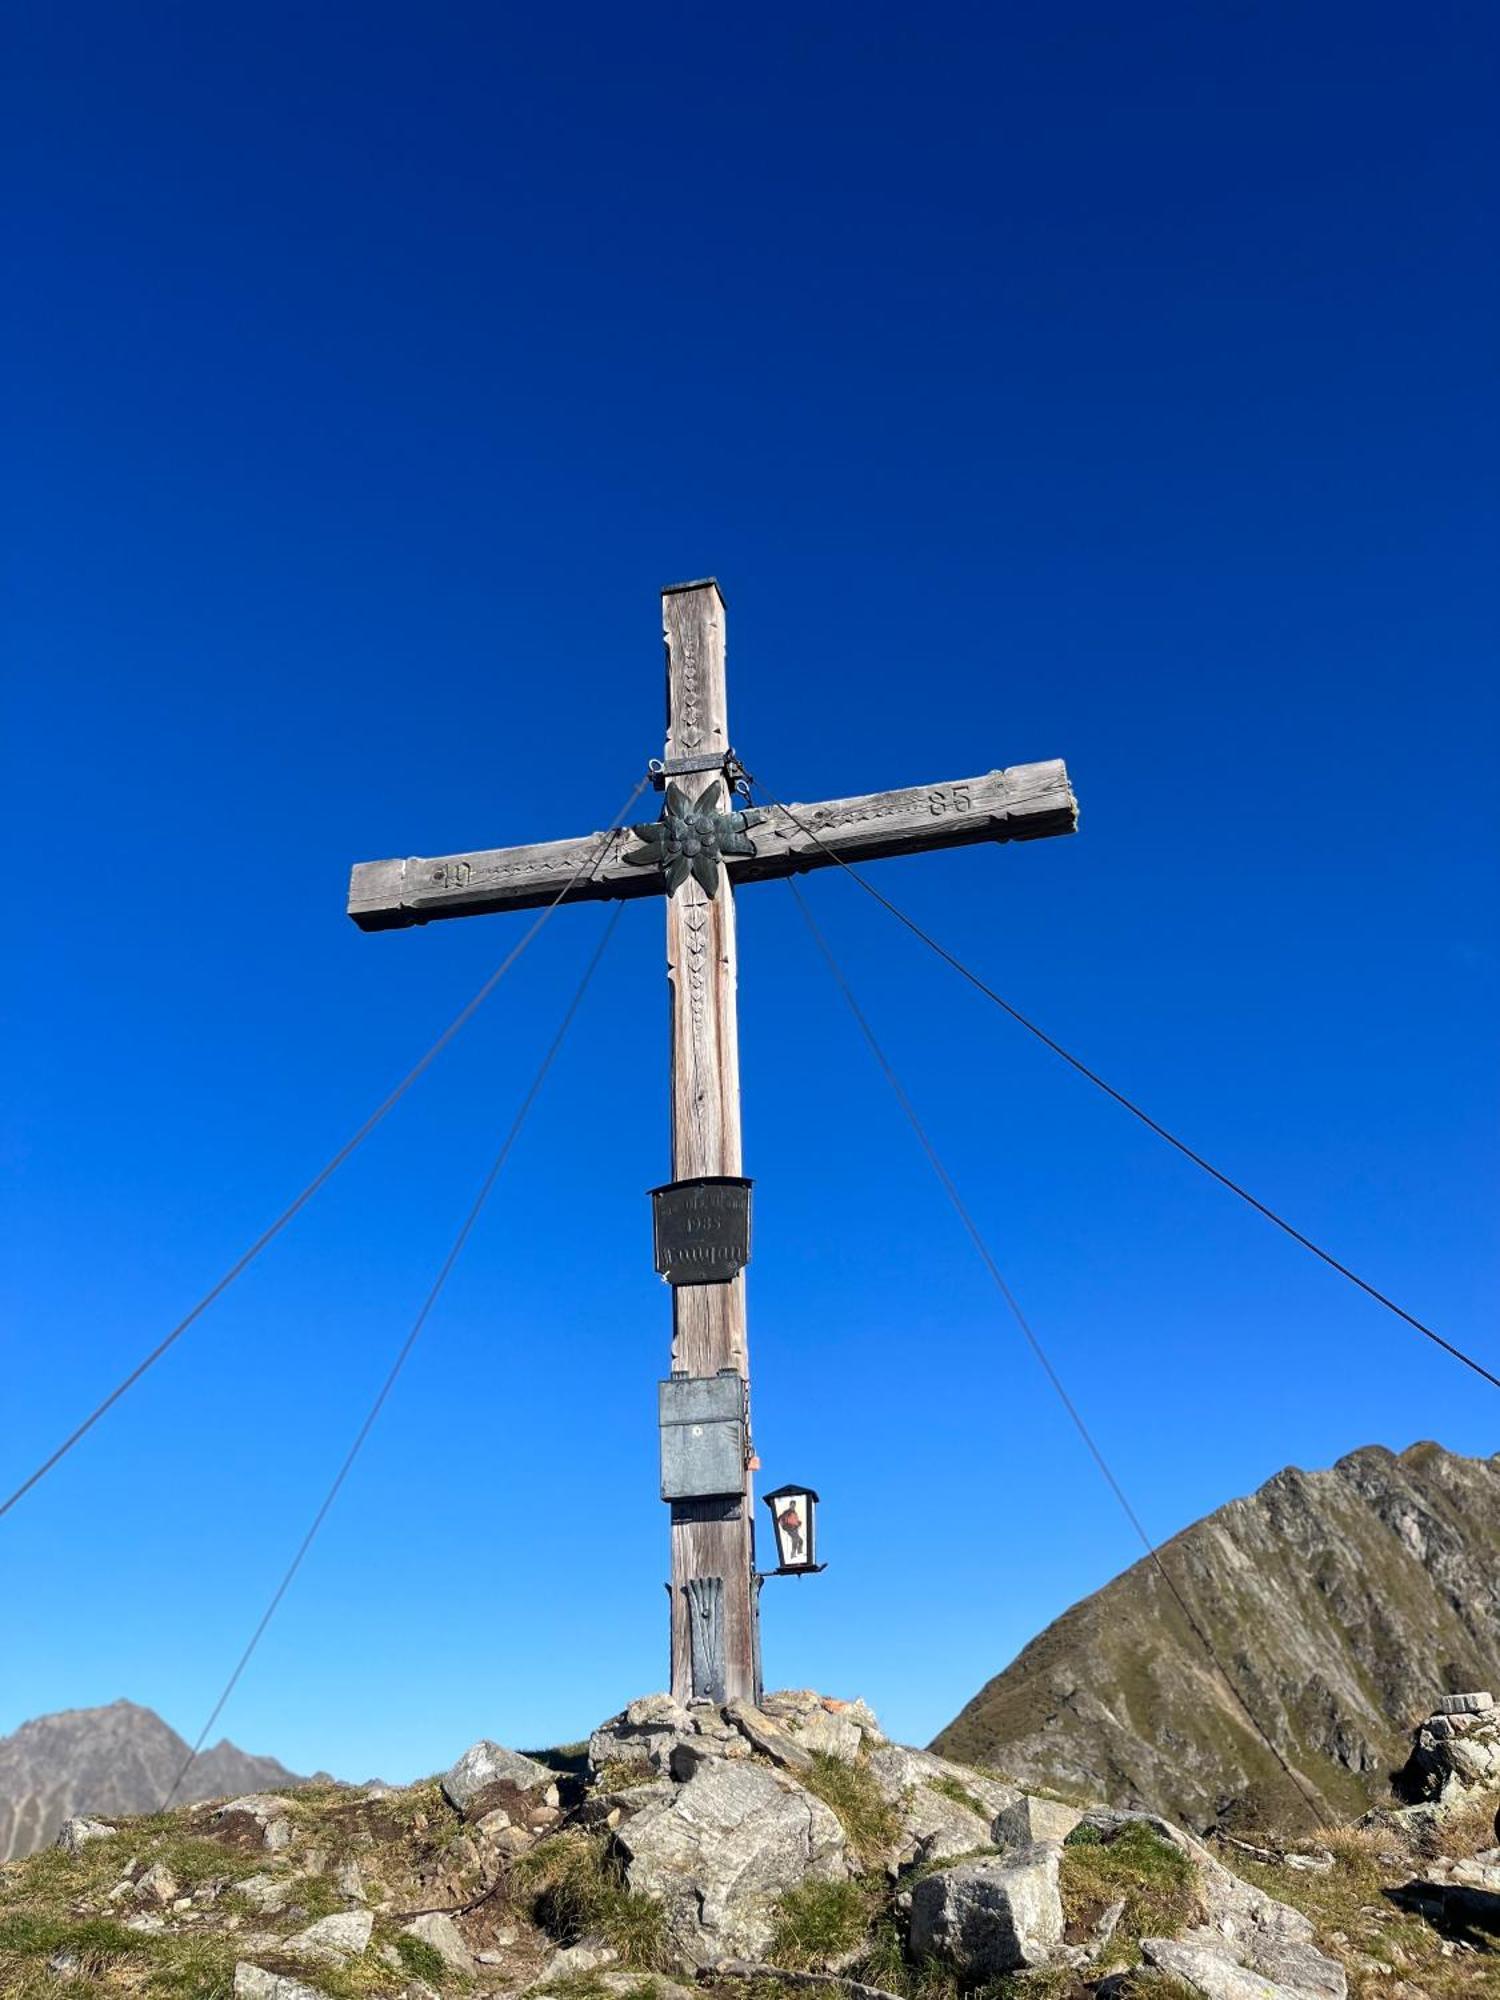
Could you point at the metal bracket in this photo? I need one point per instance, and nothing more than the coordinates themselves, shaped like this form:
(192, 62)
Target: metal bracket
(798, 1569)
(736, 777)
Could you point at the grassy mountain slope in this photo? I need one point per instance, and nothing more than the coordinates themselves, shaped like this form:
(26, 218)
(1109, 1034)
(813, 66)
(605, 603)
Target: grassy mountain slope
(1337, 1601)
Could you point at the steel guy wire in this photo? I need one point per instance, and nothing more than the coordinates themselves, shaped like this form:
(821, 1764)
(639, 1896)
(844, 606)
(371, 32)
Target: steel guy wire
(1128, 1104)
(997, 1278)
(407, 1345)
(581, 874)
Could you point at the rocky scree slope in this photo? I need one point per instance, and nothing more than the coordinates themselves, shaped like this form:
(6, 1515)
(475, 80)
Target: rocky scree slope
(119, 1759)
(1337, 1600)
(756, 1853)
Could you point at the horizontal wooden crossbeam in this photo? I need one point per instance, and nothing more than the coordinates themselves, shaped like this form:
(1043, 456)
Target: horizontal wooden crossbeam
(1026, 802)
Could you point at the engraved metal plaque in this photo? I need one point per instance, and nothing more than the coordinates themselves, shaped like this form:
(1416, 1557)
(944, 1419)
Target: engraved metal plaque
(702, 1435)
(702, 1229)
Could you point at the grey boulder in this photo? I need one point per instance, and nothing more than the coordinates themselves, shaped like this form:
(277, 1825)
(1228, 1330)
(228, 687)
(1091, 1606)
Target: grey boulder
(720, 1851)
(989, 1917)
(484, 1764)
(333, 1939)
(76, 1833)
(1031, 1819)
(253, 1982)
(647, 1732)
(945, 1809)
(1210, 1973)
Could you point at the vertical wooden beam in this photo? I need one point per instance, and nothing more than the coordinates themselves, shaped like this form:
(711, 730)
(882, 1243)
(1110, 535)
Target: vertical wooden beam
(710, 1538)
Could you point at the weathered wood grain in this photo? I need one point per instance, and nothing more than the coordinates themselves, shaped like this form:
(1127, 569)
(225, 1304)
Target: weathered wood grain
(708, 1321)
(1026, 802)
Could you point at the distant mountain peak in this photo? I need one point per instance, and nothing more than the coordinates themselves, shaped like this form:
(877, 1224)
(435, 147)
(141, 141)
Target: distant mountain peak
(121, 1758)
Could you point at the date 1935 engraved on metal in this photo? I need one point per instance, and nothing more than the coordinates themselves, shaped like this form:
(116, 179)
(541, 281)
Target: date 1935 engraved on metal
(702, 1229)
(690, 837)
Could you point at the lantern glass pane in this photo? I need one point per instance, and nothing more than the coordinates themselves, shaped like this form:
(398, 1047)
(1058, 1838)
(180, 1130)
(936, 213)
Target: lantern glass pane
(793, 1517)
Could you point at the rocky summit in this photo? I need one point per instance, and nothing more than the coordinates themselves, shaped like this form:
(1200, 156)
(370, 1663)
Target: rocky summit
(1337, 1601)
(119, 1759)
(749, 1853)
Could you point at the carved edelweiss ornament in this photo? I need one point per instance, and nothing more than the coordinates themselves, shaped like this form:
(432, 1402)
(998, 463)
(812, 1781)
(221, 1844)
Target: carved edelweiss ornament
(690, 837)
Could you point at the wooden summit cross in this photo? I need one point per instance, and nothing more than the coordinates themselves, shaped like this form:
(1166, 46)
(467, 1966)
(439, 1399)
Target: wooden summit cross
(715, 1620)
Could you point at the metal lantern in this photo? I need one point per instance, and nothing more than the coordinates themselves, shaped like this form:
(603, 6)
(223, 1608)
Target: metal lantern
(794, 1511)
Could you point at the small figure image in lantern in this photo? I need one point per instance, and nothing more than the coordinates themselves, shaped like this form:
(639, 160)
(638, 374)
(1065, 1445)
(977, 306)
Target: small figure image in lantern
(794, 1519)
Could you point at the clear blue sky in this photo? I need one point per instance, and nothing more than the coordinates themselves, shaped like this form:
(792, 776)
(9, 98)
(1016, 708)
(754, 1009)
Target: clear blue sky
(1105, 382)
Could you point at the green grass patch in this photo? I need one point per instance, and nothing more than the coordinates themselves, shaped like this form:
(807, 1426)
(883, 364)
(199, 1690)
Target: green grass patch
(421, 1959)
(576, 1889)
(622, 1772)
(193, 1969)
(820, 1923)
(1155, 1879)
(936, 1866)
(191, 1861)
(959, 1794)
(96, 1942)
(871, 1826)
(589, 1986)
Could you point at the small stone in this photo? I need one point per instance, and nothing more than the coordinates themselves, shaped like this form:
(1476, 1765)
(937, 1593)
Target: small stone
(1464, 1704)
(147, 1921)
(828, 1735)
(1031, 1819)
(862, 1716)
(688, 1758)
(644, 1733)
(575, 1959)
(269, 1814)
(484, 1764)
(1474, 1762)
(76, 1833)
(157, 1885)
(348, 1880)
(772, 1738)
(266, 1893)
(333, 1939)
(252, 1982)
(446, 1940)
(492, 1823)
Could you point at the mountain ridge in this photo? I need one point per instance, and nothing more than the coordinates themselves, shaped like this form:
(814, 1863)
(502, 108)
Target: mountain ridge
(118, 1759)
(1336, 1600)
